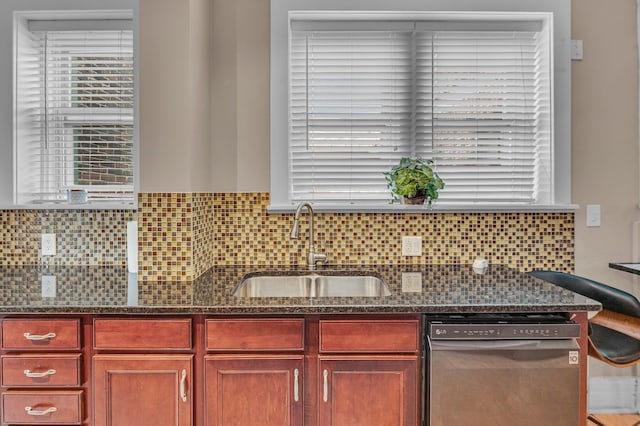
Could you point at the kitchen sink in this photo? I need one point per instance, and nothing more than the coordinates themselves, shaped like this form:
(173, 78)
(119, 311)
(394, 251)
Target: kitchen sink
(311, 285)
(350, 286)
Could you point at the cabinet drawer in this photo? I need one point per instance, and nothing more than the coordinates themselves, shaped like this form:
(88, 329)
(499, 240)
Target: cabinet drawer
(46, 370)
(142, 334)
(363, 336)
(40, 335)
(255, 334)
(50, 407)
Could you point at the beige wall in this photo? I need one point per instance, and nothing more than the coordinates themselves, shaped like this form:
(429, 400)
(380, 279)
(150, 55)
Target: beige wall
(240, 95)
(175, 135)
(605, 133)
(605, 142)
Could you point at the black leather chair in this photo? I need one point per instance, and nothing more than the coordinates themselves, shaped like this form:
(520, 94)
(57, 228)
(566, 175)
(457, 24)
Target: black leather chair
(614, 333)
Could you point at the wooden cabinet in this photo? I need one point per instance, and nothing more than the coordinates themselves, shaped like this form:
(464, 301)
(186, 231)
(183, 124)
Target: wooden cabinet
(136, 390)
(254, 372)
(311, 372)
(254, 390)
(316, 370)
(42, 371)
(368, 391)
(40, 334)
(42, 407)
(378, 336)
(368, 372)
(255, 335)
(135, 334)
(138, 378)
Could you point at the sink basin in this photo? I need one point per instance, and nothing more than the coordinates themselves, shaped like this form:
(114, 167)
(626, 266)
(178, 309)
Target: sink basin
(350, 286)
(275, 286)
(311, 285)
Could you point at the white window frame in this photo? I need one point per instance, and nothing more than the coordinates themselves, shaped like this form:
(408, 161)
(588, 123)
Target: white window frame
(561, 92)
(60, 177)
(52, 8)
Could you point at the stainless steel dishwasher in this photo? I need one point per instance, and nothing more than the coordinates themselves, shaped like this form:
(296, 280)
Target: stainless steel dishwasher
(505, 370)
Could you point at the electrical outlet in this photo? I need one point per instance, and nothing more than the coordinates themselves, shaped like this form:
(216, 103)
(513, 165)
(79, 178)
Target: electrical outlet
(48, 286)
(48, 245)
(412, 246)
(412, 282)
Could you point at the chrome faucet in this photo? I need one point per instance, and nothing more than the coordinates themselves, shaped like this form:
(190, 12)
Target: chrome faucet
(312, 257)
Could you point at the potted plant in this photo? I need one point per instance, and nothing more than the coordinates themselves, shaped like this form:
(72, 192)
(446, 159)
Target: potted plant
(414, 181)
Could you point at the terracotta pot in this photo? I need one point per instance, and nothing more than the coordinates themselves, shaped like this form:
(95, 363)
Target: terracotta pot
(414, 200)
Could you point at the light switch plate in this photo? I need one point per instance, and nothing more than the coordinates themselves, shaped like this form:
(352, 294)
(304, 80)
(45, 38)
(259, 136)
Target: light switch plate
(48, 286)
(48, 244)
(593, 215)
(412, 282)
(577, 51)
(412, 246)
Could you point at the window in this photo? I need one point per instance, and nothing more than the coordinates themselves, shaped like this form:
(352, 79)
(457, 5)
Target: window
(472, 91)
(74, 109)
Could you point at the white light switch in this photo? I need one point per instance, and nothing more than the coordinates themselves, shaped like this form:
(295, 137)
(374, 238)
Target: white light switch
(593, 215)
(576, 50)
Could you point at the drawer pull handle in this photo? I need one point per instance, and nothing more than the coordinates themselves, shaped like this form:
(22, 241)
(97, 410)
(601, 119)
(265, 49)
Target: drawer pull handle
(325, 386)
(30, 336)
(28, 373)
(183, 386)
(296, 374)
(33, 412)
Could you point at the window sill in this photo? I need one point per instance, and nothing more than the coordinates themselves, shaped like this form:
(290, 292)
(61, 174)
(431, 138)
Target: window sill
(67, 206)
(437, 208)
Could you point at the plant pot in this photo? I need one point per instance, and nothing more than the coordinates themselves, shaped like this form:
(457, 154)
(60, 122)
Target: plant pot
(417, 200)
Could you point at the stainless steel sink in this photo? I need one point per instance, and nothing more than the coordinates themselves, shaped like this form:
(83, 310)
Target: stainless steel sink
(275, 286)
(350, 286)
(311, 285)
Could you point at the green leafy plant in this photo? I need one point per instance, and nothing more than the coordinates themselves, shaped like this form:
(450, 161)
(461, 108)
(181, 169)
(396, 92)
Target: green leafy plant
(414, 178)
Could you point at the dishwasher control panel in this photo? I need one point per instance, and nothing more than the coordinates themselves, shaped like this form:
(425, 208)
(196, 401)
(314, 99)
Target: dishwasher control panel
(500, 331)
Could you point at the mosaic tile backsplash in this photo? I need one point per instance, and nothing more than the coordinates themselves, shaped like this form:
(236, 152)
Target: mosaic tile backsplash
(83, 237)
(180, 236)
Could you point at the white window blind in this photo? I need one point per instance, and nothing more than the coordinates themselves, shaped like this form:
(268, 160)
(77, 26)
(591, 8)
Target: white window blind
(474, 96)
(74, 104)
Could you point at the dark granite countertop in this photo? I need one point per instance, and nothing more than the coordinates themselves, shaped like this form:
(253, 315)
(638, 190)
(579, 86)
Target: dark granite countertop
(445, 289)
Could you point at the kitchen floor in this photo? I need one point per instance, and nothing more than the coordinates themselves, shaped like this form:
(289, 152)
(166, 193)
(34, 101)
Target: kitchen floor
(614, 420)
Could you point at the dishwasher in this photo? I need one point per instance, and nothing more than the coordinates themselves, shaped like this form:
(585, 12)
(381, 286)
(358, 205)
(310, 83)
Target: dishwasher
(502, 370)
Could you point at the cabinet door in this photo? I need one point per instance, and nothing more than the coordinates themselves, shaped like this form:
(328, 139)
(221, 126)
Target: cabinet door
(254, 390)
(135, 390)
(368, 391)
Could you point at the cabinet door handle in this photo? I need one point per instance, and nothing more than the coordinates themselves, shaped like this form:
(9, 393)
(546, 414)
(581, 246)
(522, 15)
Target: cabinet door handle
(296, 374)
(325, 386)
(32, 412)
(32, 375)
(30, 336)
(183, 386)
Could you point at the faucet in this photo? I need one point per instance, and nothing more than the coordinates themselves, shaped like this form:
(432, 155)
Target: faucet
(312, 257)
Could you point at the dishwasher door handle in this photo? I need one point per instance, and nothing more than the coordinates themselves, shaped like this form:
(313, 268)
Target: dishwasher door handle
(488, 345)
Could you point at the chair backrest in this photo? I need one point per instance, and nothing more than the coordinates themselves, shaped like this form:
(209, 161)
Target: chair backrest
(612, 299)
